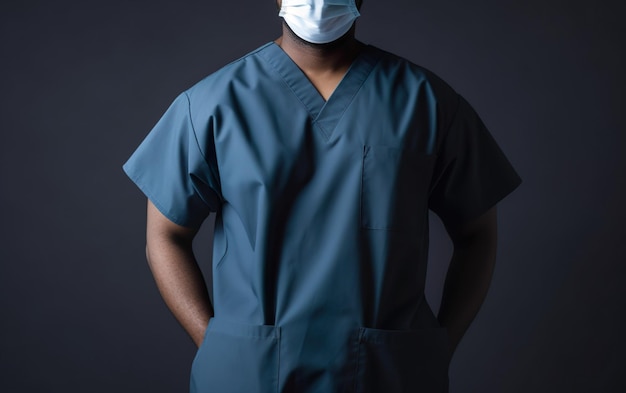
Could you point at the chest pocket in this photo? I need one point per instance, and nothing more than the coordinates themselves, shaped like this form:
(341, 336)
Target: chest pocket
(394, 188)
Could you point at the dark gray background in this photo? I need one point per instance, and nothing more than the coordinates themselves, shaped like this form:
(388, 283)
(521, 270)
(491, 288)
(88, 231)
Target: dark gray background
(82, 82)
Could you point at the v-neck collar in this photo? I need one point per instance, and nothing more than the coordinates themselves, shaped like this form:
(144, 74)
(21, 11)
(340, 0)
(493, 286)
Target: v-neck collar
(324, 113)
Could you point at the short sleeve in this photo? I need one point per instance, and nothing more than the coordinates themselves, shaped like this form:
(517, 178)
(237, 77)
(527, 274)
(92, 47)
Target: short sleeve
(171, 170)
(471, 174)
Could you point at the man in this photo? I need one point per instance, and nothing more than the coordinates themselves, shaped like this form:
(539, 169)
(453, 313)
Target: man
(321, 156)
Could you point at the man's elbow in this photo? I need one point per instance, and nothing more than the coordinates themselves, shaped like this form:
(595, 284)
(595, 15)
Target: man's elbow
(481, 232)
(148, 252)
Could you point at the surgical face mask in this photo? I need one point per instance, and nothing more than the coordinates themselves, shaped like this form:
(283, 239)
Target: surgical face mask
(319, 21)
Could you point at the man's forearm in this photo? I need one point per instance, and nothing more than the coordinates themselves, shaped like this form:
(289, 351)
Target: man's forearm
(181, 283)
(469, 276)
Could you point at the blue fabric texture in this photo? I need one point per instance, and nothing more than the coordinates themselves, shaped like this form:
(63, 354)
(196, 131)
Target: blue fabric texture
(321, 236)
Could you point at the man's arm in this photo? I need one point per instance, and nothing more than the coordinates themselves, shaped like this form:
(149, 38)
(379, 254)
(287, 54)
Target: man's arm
(469, 274)
(179, 279)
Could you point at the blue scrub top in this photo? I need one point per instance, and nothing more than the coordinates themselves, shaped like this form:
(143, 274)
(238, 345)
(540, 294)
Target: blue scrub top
(321, 235)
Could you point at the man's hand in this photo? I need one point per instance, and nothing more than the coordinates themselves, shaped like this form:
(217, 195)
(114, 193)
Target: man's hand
(179, 279)
(469, 274)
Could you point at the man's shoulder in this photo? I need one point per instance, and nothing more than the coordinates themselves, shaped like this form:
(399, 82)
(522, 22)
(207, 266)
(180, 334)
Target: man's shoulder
(409, 77)
(401, 67)
(235, 70)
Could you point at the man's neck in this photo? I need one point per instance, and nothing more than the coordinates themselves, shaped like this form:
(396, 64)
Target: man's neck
(335, 57)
